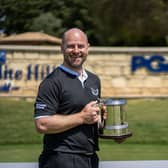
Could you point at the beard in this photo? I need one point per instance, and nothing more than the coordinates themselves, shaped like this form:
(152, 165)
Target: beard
(74, 61)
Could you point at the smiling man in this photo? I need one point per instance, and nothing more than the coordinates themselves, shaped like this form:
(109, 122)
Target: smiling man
(66, 111)
(75, 49)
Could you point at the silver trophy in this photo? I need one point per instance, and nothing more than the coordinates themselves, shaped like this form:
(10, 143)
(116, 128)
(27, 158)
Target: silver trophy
(115, 126)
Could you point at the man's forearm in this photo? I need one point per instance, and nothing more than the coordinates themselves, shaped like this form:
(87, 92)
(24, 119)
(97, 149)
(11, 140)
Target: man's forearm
(58, 123)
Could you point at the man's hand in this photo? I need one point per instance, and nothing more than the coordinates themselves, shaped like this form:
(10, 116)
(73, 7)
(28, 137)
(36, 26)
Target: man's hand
(90, 113)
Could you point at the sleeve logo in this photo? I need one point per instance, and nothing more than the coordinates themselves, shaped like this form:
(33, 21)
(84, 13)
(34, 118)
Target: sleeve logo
(41, 106)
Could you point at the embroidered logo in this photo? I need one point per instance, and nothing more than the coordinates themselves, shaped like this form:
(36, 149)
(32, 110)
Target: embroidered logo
(95, 92)
(40, 106)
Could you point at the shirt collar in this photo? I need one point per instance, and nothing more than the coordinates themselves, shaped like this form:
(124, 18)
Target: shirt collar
(83, 76)
(69, 71)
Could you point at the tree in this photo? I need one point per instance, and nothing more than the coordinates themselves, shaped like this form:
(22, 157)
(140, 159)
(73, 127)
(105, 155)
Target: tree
(47, 23)
(106, 22)
(18, 14)
(51, 16)
(130, 22)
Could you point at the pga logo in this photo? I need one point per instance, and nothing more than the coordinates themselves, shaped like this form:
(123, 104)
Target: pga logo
(155, 63)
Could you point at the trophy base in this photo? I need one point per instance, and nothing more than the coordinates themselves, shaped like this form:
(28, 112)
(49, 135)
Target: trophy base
(116, 138)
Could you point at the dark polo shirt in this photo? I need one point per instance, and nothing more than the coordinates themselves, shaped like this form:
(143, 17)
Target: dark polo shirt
(63, 93)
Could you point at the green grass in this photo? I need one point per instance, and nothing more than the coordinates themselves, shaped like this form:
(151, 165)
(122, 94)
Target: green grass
(147, 120)
(108, 151)
(16, 122)
(125, 151)
(20, 153)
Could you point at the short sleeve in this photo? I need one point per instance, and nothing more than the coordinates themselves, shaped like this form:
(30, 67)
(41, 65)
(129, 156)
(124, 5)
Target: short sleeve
(47, 100)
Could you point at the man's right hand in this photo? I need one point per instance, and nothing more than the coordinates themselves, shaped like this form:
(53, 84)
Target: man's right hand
(90, 112)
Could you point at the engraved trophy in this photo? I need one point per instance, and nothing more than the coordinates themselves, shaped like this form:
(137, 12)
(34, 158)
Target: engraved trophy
(115, 126)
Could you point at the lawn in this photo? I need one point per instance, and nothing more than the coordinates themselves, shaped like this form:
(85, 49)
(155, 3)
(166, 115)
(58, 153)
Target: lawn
(108, 151)
(147, 120)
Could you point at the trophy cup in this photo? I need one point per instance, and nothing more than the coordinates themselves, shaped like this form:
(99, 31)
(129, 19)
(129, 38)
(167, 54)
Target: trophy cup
(115, 126)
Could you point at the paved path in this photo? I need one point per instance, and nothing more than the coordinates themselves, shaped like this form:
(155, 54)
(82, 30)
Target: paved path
(103, 164)
(134, 164)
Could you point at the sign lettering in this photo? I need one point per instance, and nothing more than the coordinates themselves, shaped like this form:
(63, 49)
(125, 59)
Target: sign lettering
(155, 63)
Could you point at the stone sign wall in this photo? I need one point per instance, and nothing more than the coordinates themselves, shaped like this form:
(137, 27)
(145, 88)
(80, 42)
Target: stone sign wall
(124, 72)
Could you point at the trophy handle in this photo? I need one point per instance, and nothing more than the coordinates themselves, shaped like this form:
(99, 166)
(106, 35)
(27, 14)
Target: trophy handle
(101, 122)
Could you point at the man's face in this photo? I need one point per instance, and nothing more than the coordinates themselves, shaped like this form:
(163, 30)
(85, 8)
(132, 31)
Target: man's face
(75, 49)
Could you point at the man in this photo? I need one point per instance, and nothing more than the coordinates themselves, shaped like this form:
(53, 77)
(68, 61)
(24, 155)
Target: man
(66, 111)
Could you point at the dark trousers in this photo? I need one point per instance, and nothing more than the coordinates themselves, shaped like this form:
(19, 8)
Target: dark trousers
(68, 160)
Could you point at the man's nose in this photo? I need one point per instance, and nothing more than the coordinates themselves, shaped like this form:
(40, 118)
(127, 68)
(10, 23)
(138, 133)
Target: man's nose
(76, 48)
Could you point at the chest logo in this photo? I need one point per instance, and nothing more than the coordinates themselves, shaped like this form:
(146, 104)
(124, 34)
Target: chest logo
(95, 92)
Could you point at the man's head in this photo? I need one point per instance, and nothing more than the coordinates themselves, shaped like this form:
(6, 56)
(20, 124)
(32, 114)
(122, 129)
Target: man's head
(74, 48)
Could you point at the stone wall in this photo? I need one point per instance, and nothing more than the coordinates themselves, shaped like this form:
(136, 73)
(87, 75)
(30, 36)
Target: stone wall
(26, 66)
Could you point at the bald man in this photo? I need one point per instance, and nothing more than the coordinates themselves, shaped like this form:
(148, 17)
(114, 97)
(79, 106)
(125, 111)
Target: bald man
(65, 109)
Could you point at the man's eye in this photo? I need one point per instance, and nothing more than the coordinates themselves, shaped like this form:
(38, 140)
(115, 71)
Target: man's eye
(70, 46)
(81, 46)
